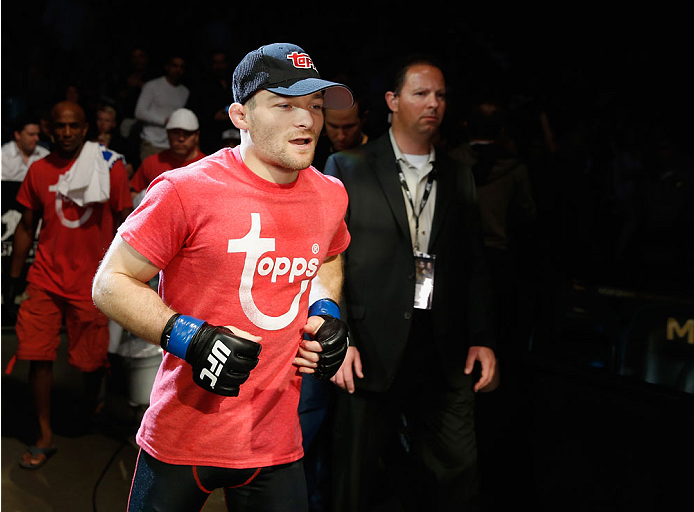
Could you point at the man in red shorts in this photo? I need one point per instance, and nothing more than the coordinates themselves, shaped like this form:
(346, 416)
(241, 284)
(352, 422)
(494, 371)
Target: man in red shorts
(80, 193)
(183, 132)
(237, 238)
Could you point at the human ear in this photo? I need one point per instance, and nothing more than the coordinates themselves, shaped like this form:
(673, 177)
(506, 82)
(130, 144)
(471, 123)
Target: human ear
(392, 101)
(237, 114)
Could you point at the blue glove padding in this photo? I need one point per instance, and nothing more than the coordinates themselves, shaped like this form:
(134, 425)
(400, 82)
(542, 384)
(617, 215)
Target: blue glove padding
(221, 360)
(324, 307)
(333, 337)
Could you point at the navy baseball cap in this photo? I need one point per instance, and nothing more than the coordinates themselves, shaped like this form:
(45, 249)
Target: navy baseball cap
(287, 70)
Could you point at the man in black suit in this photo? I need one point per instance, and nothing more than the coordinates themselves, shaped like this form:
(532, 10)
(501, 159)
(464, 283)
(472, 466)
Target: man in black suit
(418, 301)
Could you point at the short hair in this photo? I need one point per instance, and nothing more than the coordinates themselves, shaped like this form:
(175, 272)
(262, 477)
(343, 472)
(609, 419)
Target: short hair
(401, 66)
(20, 122)
(108, 109)
(362, 106)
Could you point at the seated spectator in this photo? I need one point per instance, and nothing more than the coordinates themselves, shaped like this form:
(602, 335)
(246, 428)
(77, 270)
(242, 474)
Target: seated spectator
(107, 133)
(183, 131)
(20, 153)
(158, 99)
(17, 156)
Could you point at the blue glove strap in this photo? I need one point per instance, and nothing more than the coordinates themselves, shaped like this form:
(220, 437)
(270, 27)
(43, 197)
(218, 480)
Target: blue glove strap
(183, 330)
(324, 307)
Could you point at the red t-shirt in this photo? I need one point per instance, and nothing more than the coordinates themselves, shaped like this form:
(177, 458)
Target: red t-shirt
(154, 165)
(73, 239)
(235, 250)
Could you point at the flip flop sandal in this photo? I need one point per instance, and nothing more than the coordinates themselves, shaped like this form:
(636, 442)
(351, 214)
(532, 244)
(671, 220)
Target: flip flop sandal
(35, 451)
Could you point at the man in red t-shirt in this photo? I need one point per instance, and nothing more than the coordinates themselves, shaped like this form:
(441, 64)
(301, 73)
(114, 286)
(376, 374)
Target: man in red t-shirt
(239, 240)
(75, 233)
(183, 131)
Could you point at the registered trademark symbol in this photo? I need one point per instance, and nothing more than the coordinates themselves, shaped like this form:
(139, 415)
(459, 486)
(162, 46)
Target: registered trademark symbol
(315, 249)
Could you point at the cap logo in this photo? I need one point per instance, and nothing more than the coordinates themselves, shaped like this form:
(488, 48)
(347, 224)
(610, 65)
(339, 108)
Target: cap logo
(301, 60)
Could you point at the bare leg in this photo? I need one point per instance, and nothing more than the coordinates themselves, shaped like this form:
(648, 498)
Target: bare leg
(40, 381)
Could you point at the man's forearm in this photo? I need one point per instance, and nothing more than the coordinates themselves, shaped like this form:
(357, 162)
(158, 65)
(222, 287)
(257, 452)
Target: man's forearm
(23, 239)
(121, 291)
(328, 281)
(138, 310)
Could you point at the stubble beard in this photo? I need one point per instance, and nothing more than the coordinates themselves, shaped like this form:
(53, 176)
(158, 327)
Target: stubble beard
(277, 151)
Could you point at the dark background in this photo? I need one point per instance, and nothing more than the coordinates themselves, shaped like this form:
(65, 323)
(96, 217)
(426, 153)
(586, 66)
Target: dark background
(614, 87)
(613, 242)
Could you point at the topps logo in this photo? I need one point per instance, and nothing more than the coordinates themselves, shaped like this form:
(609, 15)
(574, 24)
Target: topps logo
(255, 247)
(301, 60)
(219, 355)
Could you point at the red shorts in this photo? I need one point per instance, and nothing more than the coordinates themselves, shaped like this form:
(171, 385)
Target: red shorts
(39, 320)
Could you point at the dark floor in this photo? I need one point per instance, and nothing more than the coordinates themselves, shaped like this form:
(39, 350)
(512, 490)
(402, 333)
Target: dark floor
(93, 466)
(570, 439)
(583, 440)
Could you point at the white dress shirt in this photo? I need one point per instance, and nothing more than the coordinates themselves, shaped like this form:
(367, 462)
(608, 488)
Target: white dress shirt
(157, 101)
(416, 169)
(13, 166)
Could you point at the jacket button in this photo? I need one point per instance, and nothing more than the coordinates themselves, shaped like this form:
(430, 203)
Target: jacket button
(407, 315)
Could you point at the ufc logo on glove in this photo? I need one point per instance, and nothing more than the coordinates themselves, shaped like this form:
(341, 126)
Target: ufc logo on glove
(221, 360)
(217, 358)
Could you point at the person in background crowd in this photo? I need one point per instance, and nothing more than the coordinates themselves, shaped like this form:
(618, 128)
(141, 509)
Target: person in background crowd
(158, 99)
(183, 132)
(24, 150)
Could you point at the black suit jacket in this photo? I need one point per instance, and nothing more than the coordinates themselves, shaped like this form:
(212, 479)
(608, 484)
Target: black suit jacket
(379, 264)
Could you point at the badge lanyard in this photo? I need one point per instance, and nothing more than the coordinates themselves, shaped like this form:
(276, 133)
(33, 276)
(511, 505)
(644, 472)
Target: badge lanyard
(422, 204)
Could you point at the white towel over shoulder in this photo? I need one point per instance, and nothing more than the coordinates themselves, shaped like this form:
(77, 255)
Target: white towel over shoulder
(89, 178)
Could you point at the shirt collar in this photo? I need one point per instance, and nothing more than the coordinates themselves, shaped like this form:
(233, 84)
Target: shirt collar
(399, 155)
(14, 149)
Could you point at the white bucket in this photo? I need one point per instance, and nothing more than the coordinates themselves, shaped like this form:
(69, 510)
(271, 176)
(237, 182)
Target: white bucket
(141, 374)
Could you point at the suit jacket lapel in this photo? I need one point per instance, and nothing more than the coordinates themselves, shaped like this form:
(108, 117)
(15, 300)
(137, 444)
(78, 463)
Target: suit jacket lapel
(384, 166)
(445, 188)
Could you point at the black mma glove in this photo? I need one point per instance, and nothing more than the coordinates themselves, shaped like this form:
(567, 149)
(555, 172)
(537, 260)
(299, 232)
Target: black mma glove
(333, 337)
(221, 360)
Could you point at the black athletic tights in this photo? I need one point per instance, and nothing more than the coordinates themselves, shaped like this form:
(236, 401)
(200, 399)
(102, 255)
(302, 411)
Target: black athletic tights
(162, 487)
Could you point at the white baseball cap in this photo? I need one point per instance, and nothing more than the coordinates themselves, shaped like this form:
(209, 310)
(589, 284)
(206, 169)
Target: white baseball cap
(183, 119)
